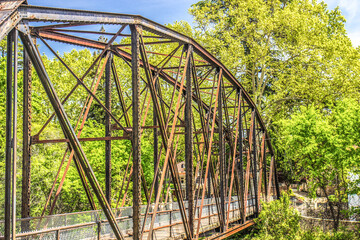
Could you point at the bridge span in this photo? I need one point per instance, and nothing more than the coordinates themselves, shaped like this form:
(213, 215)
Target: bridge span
(211, 163)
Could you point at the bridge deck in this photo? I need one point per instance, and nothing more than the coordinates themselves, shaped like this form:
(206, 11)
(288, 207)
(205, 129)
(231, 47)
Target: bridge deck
(93, 224)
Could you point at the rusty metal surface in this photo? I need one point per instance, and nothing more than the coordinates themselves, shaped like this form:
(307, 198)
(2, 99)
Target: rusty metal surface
(9, 16)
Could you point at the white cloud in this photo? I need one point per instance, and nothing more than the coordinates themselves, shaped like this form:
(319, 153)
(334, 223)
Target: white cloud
(355, 38)
(350, 8)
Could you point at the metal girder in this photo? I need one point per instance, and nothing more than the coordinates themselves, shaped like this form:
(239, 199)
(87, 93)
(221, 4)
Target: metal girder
(26, 156)
(136, 133)
(189, 145)
(108, 129)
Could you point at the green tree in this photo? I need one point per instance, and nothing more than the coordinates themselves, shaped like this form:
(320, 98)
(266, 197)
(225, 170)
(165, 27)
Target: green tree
(285, 52)
(324, 150)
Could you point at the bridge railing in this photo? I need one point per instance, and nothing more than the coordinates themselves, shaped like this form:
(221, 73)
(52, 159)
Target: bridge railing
(93, 224)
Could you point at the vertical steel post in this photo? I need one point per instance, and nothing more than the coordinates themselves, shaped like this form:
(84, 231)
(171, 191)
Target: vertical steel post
(276, 179)
(241, 162)
(14, 140)
(264, 167)
(108, 129)
(222, 156)
(26, 157)
(189, 144)
(156, 149)
(255, 165)
(9, 69)
(136, 133)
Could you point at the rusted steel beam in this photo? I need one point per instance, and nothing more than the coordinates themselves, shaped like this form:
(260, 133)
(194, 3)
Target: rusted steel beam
(9, 16)
(221, 155)
(14, 134)
(262, 166)
(276, 180)
(255, 168)
(8, 149)
(232, 231)
(146, 43)
(136, 133)
(271, 171)
(54, 28)
(156, 154)
(120, 94)
(26, 156)
(248, 164)
(74, 144)
(189, 144)
(108, 129)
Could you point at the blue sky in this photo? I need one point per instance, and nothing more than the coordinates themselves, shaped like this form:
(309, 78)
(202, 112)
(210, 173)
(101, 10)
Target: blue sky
(161, 11)
(351, 10)
(168, 11)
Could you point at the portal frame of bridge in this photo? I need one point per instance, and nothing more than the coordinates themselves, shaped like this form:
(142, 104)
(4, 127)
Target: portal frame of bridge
(207, 102)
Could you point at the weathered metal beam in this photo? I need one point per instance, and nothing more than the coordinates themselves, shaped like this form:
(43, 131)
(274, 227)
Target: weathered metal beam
(136, 133)
(276, 180)
(108, 129)
(14, 133)
(189, 144)
(241, 161)
(255, 172)
(26, 156)
(156, 154)
(8, 182)
(9, 16)
(262, 166)
(221, 155)
(69, 132)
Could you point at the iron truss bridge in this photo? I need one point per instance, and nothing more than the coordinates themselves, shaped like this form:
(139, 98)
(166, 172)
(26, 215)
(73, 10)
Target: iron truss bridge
(213, 163)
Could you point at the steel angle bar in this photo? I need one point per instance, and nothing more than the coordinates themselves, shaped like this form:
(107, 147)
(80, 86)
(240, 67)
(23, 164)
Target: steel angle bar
(14, 133)
(222, 155)
(74, 143)
(261, 166)
(8, 149)
(247, 174)
(108, 85)
(255, 168)
(136, 133)
(120, 94)
(26, 156)
(189, 144)
(271, 172)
